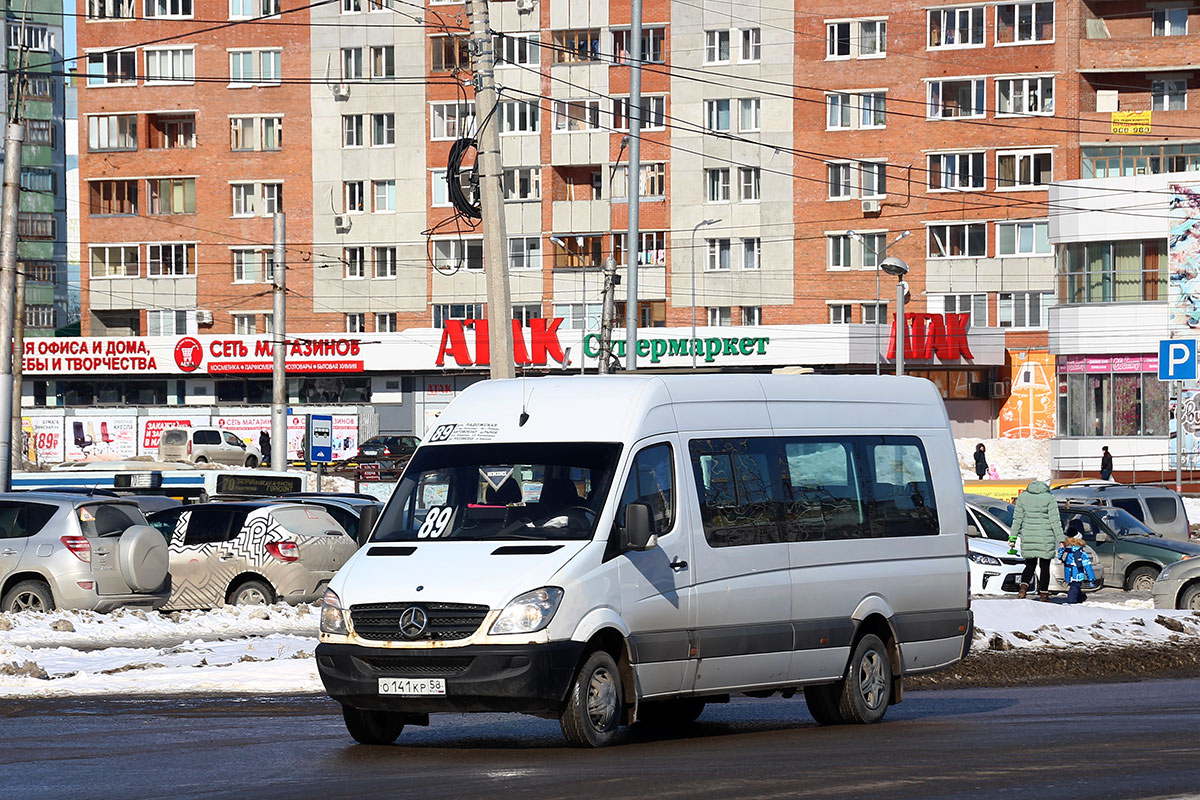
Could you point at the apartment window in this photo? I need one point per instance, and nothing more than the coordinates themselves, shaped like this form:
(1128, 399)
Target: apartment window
(961, 171)
(717, 182)
(716, 47)
(385, 323)
(245, 9)
(956, 99)
(840, 247)
(451, 120)
(1025, 23)
(36, 37)
(385, 196)
(720, 316)
(174, 65)
(170, 260)
(1025, 96)
(454, 254)
(112, 69)
(172, 195)
(577, 115)
(354, 197)
(576, 46)
(253, 266)
(272, 199)
(578, 252)
(956, 27)
(383, 62)
(851, 110)
(112, 132)
(39, 316)
(383, 130)
(439, 190)
(749, 114)
(244, 196)
(41, 131)
(718, 255)
(272, 133)
(448, 53)
(525, 252)
(356, 323)
(524, 312)
(651, 253)
(169, 8)
(170, 322)
(973, 304)
(751, 253)
(579, 316)
(654, 111)
(716, 115)
(653, 49)
(1029, 238)
(115, 261)
(518, 116)
(1169, 21)
(171, 132)
(462, 311)
(1024, 309)
(841, 313)
(351, 6)
(749, 183)
(840, 186)
(652, 182)
(517, 49)
(352, 63)
(522, 184)
(110, 9)
(41, 272)
(110, 198)
(752, 315)
(355, 261)
(856, 39)
(244, 325)
(958, 240)
(35, 225)
(1168, 95)
(40, 179)
(384, 259)
(270, 69)
(1023, 170)
(751, 45)
(874, 313)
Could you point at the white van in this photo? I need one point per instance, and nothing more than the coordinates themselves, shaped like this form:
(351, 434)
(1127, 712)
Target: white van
(611, 549)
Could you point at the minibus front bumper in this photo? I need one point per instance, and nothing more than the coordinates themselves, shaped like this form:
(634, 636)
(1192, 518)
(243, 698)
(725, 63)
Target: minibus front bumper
(528, 678)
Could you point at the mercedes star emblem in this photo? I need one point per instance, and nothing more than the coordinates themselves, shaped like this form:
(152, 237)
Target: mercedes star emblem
(413, 622)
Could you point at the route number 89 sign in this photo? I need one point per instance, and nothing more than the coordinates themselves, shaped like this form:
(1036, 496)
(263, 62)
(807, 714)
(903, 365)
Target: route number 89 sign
(436, 522)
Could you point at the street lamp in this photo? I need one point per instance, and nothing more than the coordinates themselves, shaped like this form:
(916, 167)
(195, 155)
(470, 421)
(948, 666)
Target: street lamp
(877, 253)
(698, 226)
(896, 266)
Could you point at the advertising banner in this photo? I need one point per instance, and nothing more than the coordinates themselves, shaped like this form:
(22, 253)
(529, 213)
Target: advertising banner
(151, 428)
(101, 438)
(1188, 415)
(1183, 262)
(249, 428)
(345, 436)
(1028, 411)
(47, 435)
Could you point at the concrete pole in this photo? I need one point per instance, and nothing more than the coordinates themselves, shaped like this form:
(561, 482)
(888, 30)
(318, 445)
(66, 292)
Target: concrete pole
(607, 312)
(491, 197)
(14, 136)
(632, 236)
(901, 329)
(18, 351)
(278, 454)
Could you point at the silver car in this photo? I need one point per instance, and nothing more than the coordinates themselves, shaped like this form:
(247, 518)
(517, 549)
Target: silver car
(204, 445)
(1158, 508)
(1178, 585)
(75, 551)
(251, 553)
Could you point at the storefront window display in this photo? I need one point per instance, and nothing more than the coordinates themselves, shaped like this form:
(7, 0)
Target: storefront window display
(1111, 396)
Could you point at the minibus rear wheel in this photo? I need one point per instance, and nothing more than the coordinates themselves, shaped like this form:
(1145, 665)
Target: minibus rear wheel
(867, 687)
(593, 710)
(372, 727)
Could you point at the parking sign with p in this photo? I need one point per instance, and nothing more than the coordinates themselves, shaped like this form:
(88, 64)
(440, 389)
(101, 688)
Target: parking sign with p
(1177, 360)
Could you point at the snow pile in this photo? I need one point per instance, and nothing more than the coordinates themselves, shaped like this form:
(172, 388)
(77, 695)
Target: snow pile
(1014, 459)
(266, 651)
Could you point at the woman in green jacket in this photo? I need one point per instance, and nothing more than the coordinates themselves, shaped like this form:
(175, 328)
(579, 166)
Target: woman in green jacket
(1037, 523)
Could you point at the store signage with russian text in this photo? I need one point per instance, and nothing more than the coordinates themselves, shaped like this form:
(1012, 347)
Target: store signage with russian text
(544, 345)
(929, 335)
(707, 348)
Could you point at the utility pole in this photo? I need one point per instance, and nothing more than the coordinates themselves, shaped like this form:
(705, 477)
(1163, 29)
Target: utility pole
(279, 448)
(607, 313)
(633, 193)
(18, 358)
(491, 199)
(14, 136)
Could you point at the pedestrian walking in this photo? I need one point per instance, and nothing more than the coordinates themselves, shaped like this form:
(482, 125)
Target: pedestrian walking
(981, 465)
(264, 446)
(1105, 464)
(1077, 564)
(1037, 524)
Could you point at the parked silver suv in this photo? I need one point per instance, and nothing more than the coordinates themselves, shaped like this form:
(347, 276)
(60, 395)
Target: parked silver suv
(75, 551)
(202, 445)
(1158, 508)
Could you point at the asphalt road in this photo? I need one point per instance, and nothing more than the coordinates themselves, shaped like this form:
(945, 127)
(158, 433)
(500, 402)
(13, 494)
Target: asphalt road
(1128, 740)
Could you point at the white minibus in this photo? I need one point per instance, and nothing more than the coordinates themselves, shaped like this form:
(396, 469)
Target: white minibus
(612, 549)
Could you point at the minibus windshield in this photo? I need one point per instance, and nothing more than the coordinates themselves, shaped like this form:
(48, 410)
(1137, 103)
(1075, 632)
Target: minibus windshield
(547, 490)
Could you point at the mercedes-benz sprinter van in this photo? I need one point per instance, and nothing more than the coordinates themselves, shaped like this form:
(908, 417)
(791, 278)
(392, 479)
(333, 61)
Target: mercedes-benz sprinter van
(611, 549)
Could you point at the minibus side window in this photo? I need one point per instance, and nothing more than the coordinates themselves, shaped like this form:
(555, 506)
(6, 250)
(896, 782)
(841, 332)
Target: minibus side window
(652, 481)
(901, 490)
(822, 495)
(739, 486)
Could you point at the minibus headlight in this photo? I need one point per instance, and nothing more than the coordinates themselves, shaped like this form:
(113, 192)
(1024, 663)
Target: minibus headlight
(529, 612)
(332, 619)
(980, 558)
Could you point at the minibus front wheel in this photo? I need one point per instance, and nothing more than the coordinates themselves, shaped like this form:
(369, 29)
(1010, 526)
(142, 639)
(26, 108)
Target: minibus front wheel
(592, 714)
(372, 727)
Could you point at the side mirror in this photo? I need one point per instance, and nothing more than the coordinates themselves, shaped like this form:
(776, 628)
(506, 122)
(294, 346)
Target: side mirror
(638, 533)
(367, 518)
(973, 532)
(1101, 537)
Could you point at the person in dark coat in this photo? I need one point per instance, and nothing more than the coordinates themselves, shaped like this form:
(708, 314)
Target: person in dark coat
(1037, 524)
(981, 465)
(264, 445)
(1105, 464)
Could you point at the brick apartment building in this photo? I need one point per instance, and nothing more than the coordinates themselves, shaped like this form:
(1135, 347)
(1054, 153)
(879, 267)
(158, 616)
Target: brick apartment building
(792, 145)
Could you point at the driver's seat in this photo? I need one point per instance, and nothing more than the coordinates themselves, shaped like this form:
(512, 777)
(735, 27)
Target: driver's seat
(558, 494)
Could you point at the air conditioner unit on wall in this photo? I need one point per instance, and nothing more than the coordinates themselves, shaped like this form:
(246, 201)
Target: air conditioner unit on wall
(999, 389)
(341, 223)
(870, 206)
(204, 316)
(524, 6)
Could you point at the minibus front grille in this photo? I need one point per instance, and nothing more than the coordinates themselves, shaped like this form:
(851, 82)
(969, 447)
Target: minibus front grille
(416, 666)
(445, 621)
